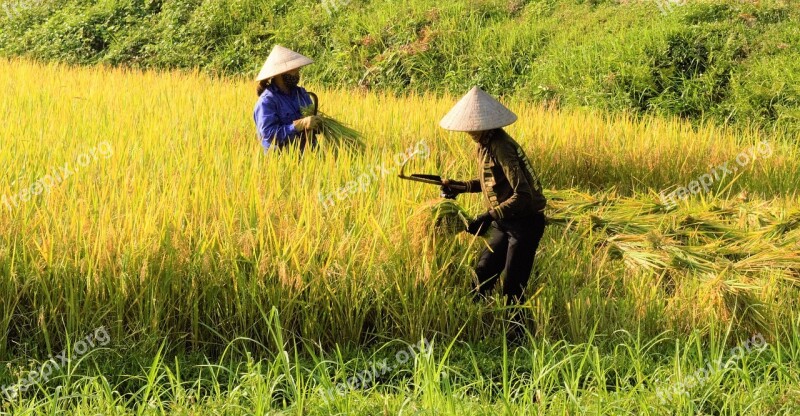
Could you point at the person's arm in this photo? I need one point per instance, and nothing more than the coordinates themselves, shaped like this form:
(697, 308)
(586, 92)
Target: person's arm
(470, 187)
(473, 186)
(269, 126)
(521, 201)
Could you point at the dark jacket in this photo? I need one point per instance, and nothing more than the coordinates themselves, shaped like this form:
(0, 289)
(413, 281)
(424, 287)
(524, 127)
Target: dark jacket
(508, 182)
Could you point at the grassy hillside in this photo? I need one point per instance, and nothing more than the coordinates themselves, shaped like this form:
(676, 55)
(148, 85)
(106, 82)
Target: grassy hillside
(730, 61)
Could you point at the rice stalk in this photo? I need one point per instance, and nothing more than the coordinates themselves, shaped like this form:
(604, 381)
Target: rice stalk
(336, 131)
(440, 218)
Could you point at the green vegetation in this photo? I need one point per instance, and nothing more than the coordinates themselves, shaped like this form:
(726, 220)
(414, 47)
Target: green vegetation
(621, 373)
(731, 61)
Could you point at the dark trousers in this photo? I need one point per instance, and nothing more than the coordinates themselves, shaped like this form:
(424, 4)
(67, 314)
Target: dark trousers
(513, 247)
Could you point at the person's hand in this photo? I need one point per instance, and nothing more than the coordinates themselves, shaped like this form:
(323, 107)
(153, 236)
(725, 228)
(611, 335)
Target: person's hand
(316, 123)
(480, 225)
(307, 123)
(450, 193)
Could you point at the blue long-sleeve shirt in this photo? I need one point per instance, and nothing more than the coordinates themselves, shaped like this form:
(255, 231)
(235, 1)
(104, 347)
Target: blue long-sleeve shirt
(275, 113)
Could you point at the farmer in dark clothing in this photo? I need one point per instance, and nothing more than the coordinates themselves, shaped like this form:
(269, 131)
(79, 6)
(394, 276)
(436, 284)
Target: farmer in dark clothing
(512, 192)
(277, 114)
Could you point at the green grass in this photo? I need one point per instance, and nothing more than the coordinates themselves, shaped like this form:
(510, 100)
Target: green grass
(618, 373)
(727, 61)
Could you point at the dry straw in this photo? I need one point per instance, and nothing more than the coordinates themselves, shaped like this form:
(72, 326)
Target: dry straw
(748, 239)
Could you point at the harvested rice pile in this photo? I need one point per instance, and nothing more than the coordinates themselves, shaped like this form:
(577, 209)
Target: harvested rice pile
(736, 249)
(738, 237)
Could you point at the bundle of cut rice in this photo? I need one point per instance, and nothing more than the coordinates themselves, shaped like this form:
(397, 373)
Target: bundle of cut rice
(335, 131)
(440, 217)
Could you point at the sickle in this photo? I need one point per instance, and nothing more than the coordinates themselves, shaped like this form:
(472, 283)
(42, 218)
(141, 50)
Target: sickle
(315, 100)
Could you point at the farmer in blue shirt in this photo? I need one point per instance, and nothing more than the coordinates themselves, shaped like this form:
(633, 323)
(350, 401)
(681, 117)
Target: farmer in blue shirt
(277, 114)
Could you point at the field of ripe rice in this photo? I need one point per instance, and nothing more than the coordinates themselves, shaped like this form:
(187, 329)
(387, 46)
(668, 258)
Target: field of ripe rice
(142, 202)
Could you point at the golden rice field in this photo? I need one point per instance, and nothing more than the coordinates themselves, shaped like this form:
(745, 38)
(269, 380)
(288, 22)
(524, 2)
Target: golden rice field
(178, 221)
(142, 202)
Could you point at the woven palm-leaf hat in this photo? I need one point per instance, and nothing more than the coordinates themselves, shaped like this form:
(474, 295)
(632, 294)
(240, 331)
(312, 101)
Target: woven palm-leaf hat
(280, 61)
(477, 111)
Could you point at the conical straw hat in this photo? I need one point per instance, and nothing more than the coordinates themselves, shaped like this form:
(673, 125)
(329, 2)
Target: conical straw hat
(477, 111)
(282, 60)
